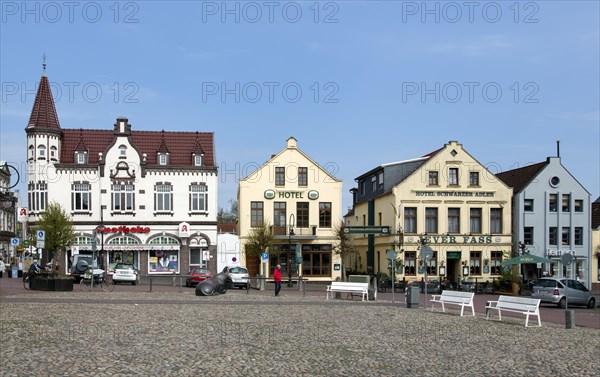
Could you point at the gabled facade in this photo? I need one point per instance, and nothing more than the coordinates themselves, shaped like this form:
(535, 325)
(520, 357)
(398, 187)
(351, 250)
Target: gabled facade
(151, 196)
(551, 216)
(292, 192)
(448, 199)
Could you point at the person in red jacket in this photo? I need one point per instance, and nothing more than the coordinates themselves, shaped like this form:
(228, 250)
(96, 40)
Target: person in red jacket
(277, 279)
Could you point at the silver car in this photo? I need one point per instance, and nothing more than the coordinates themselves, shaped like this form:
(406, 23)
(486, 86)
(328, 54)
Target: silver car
(239, 276)
(552, 290)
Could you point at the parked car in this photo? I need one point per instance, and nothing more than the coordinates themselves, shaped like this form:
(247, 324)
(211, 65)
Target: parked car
(81, 263)
(239, 276)
(125, 273)
(196, 276)
(552, 290)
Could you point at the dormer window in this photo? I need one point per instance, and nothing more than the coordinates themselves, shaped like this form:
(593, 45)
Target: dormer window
(198, 160)
(162, 159)
(81, 157)
(122, 151)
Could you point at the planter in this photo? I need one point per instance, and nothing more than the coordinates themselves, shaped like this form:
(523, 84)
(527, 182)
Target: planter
(42, 284)
(63, 285)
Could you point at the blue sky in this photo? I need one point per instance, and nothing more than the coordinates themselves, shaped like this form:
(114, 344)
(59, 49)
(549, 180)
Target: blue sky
(357, 83)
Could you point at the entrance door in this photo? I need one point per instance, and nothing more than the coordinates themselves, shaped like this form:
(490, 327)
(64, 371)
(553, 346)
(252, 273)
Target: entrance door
(451, 271)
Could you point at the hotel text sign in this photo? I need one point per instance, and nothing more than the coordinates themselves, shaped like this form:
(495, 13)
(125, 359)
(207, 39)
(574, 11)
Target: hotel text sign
(473, 194)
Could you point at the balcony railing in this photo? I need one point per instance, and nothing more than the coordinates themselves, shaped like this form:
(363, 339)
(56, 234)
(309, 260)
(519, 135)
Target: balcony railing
(311, 230)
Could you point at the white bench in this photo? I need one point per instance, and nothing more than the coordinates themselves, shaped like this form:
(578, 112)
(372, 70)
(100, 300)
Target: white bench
(523, 305)
(455, 298)
(352, 288)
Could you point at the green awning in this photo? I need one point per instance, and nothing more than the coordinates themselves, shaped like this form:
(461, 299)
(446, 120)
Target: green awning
(525, 259)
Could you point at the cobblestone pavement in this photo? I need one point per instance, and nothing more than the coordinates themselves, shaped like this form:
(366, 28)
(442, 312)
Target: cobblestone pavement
(239, 334)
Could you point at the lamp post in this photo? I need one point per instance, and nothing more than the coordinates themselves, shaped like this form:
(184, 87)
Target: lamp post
(290, 234)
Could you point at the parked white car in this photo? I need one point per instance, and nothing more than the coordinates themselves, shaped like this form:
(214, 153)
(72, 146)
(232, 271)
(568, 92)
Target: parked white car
(125, 273)
(239, 276)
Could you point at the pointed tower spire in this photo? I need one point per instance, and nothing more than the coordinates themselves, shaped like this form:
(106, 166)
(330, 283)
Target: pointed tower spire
(43, 113)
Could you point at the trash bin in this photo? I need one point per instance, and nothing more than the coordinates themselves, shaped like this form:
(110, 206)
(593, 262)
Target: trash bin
(412, 297)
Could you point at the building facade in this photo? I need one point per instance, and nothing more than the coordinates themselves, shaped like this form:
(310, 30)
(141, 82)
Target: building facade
(8, 212)
(551, 216)
(301, 202)
(445, 199)
(596, 244)
(146, 197)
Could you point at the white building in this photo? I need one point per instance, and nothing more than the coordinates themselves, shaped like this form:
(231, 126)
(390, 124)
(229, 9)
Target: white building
(150, 195)
(551, 217)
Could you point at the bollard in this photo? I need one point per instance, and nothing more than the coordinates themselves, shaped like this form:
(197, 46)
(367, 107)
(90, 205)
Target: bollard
(150, 283)
(569, 319)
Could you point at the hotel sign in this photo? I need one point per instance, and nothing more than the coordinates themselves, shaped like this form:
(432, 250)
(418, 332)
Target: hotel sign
(472, 194)
(289, 194)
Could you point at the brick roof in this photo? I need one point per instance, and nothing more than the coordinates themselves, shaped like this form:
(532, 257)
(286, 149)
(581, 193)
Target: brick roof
(43, 113)
(519, 178)
(180, 145)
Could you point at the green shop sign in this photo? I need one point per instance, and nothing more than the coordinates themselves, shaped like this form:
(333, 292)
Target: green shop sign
(453, 255)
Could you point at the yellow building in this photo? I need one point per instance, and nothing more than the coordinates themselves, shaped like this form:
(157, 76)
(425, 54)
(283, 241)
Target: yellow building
(448, 199)
(302, 203)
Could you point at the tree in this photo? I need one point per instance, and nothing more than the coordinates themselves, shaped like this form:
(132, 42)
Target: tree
(228, 217)
(345, 248)
(259, 240)
(59, 232)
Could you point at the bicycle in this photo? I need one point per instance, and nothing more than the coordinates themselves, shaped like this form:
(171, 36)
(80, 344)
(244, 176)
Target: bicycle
(102, 279)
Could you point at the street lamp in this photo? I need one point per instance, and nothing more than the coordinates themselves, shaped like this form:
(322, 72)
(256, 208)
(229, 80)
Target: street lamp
(290, 234)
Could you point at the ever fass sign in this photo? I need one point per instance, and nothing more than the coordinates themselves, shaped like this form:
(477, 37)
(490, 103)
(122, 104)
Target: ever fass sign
(123, 229)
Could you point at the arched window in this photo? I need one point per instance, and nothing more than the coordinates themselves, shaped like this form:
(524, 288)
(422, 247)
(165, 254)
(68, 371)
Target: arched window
(42, 151)
(164, 240)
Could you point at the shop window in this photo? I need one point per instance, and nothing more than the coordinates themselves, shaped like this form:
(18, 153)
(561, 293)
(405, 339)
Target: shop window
(475, 263)
(496, 263)
(163, 261)
(197, 257)
(410, 263)
(115, 257)
(432, 265)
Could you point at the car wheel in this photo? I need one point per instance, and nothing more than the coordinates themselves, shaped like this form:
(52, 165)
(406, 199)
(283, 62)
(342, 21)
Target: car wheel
(592, 303)
(187, 284)
(562, 303)
(134, 283)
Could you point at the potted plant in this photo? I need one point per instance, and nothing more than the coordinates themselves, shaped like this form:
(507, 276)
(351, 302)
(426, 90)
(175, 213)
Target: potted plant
(43, 282)
(63, 283)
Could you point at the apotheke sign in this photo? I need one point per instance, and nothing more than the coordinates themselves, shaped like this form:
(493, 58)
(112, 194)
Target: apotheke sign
(288, 194)
(123, 229)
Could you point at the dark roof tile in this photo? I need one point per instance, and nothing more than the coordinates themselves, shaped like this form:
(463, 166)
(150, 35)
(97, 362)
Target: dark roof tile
(519, 178)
